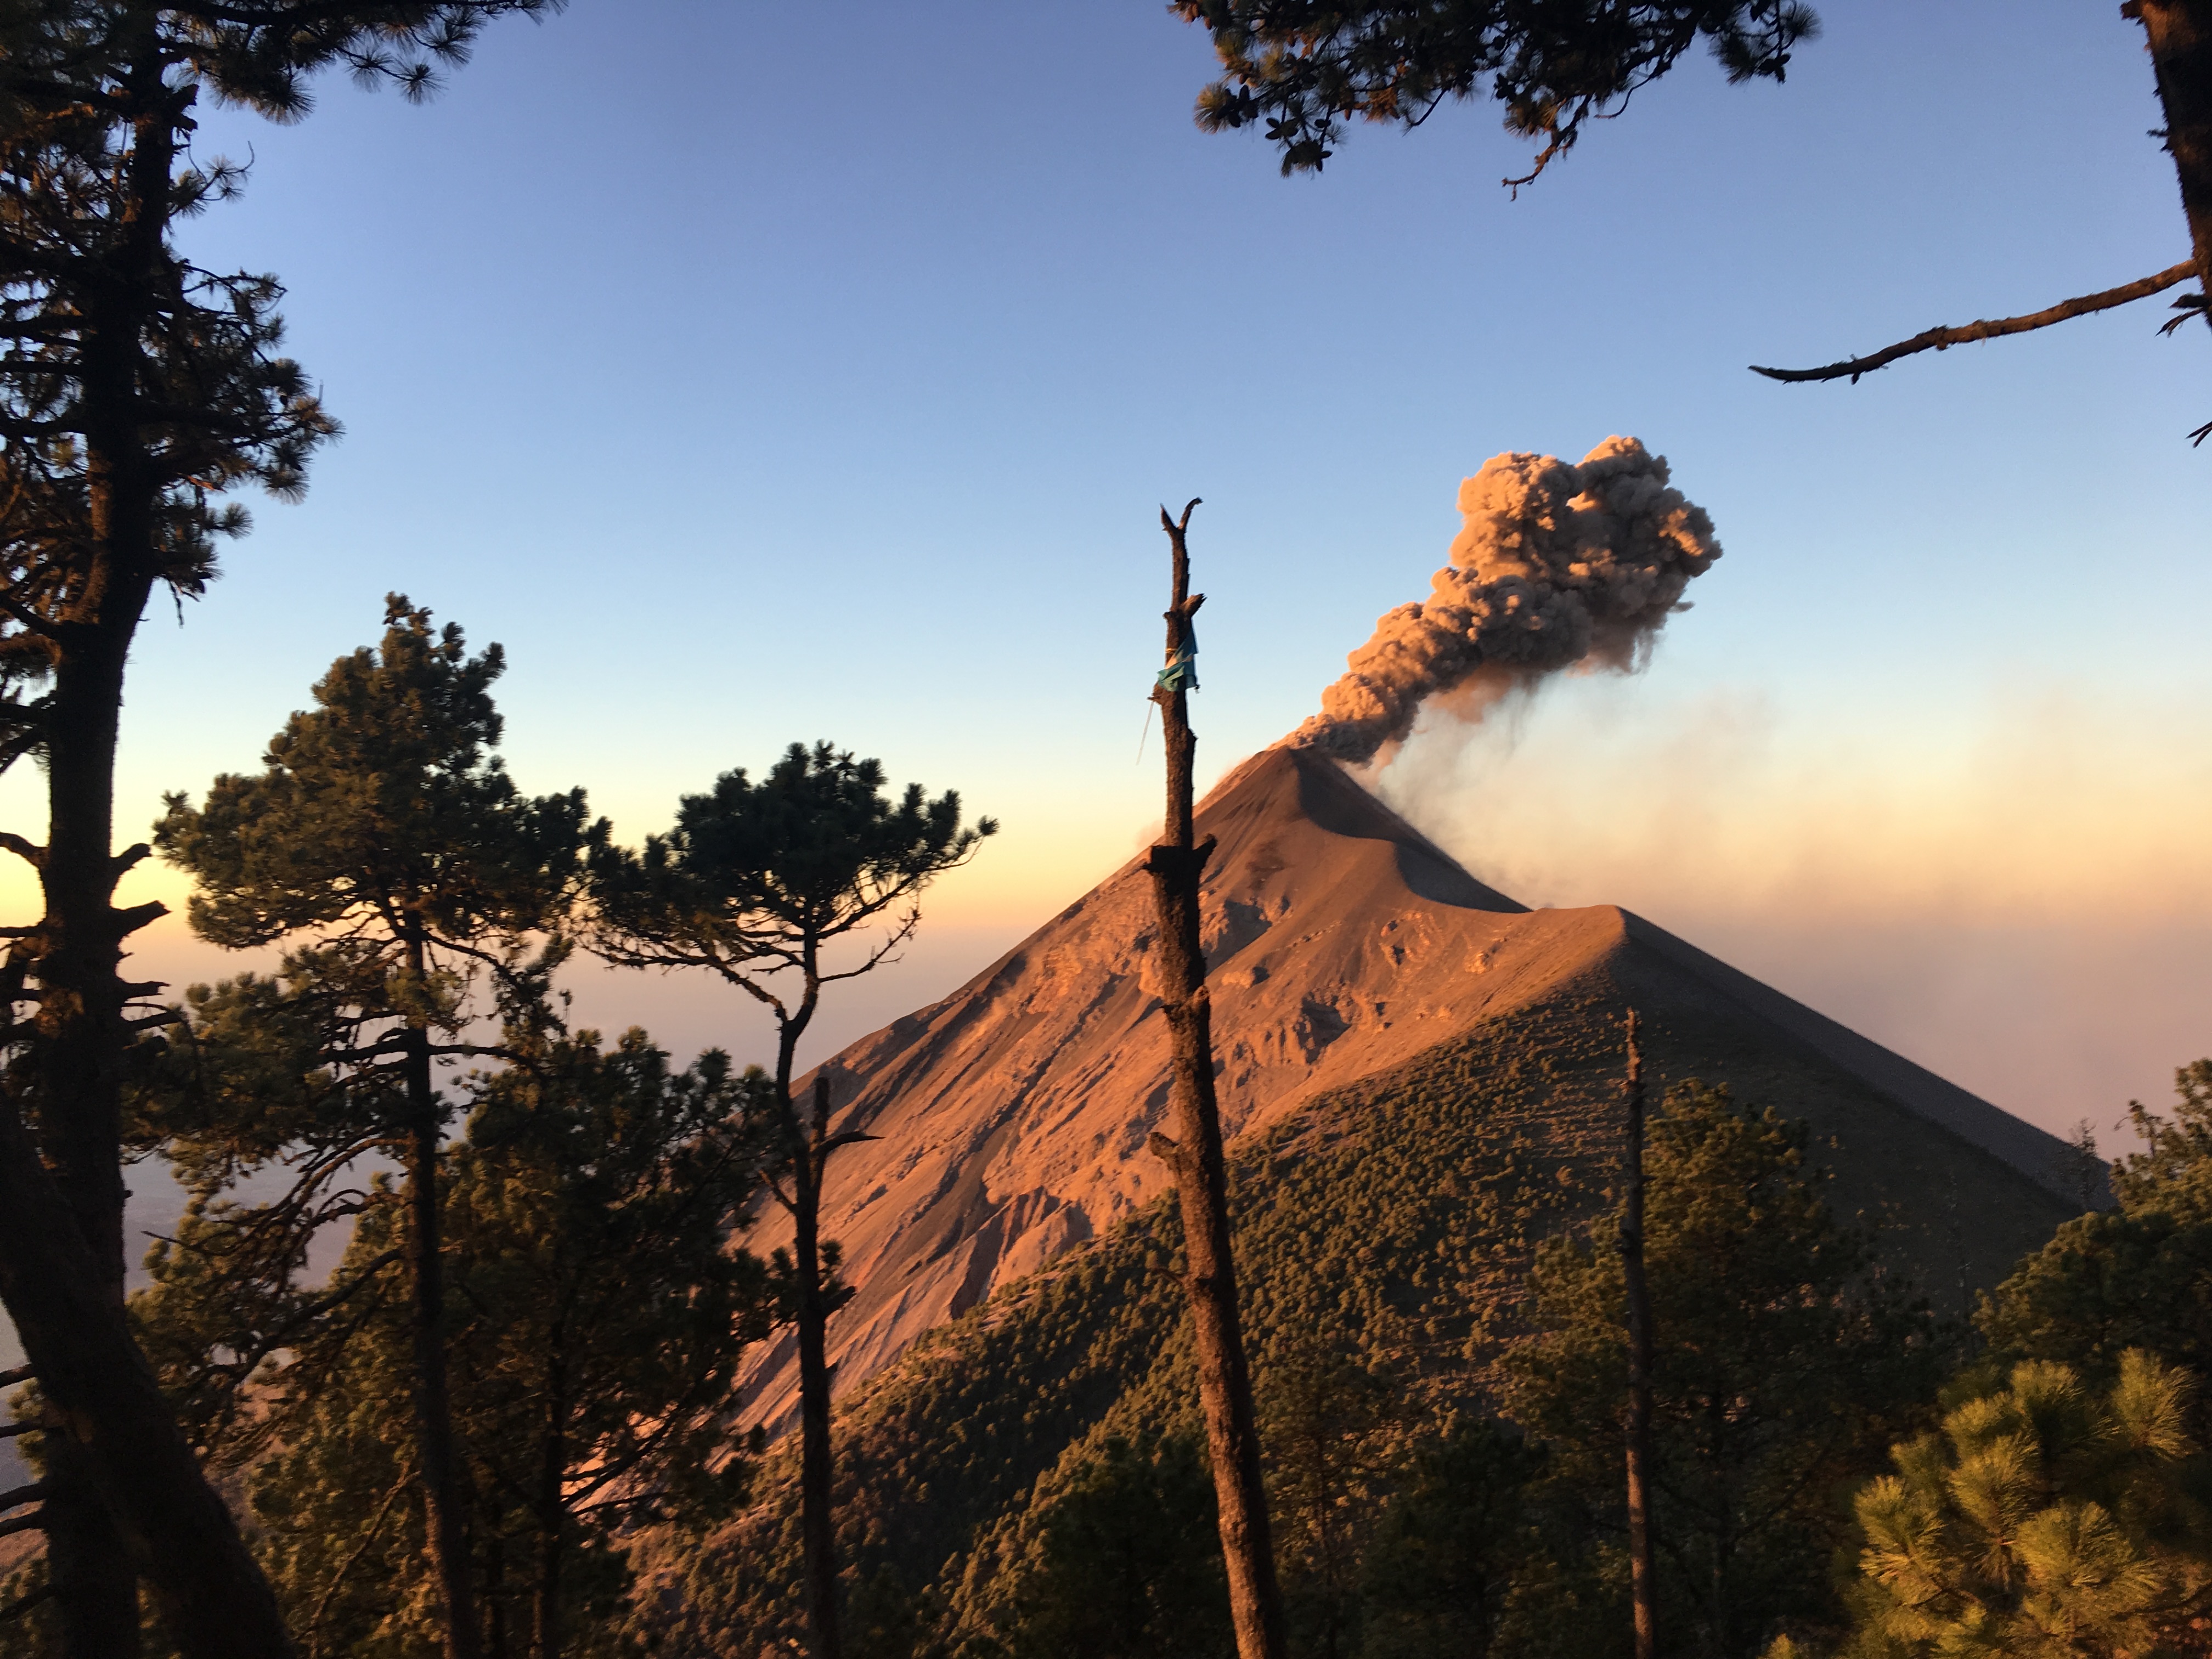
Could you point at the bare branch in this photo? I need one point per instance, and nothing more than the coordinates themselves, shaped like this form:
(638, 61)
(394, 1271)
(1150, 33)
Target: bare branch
(1941, 339)
(129, 921)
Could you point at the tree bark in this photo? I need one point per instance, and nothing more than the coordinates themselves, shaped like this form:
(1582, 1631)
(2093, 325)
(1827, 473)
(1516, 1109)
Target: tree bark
(111, 1413)
(82, 1035)
(1224, 1384)
(2179, 35)
(1643, 1584)
(445, 1527)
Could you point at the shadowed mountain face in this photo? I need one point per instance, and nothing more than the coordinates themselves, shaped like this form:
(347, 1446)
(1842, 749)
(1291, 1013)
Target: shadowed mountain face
(1011, 1118)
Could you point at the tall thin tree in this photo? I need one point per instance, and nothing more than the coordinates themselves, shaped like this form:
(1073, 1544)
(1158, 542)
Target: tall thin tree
(1177, 866)
(387, 833)
(1643, 1585)
(754, 884)
(135, 390)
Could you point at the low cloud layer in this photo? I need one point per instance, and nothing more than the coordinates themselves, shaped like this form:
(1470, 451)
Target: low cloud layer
(2017, 893)
(1554, 566)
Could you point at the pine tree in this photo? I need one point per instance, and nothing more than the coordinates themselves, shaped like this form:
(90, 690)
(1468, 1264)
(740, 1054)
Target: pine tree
(1327, 1419)
(1304, 72)
(2138, 1275)
(755, 883)
(387, 833)
(1785, 1363)
(1126, 1564)
(2044, 1520)
(1449, 1550)
(600, 1312)
(137, 390)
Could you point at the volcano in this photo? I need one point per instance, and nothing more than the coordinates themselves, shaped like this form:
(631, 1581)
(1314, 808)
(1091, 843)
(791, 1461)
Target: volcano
(1010, 1118)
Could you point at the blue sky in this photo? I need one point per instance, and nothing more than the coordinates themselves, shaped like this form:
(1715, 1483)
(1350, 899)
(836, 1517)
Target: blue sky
(758, 372)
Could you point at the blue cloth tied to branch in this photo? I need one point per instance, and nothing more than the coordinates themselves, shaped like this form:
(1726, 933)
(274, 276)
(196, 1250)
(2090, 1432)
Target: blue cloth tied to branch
(1182, 673)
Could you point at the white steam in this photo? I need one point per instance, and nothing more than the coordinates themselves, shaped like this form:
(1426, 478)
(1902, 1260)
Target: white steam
(1555, 565)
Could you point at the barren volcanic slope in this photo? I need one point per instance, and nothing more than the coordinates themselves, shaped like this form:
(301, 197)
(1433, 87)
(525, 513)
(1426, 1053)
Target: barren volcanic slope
(1012, 1116)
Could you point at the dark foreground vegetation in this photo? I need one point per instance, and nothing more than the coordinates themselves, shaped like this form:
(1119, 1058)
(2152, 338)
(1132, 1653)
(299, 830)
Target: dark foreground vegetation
(533, 1430)
(1435, 1302)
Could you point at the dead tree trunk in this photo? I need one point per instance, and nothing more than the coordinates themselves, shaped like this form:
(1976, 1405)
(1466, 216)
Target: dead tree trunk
(1643, 1591)
(1224, 1383)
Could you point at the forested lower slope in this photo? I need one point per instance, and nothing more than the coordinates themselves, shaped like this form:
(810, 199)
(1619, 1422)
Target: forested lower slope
(1389, 1223)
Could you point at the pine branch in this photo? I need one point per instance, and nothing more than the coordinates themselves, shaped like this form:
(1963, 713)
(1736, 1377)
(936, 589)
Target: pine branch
(1941, 339)
(368, 1538)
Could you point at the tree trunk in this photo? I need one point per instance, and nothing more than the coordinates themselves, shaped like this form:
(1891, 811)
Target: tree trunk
(1642, 1587)
(444, 1529)
(80, 1039)
(494, 1570)
(80, 1031)
(165, 1516)
(2179, 35)
(552, 1468)
(817, 1470)
(1224, 1385)
(80, 1036)
(79, 1043)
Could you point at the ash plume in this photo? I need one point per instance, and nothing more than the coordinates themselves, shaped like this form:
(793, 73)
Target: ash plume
(1555, 565)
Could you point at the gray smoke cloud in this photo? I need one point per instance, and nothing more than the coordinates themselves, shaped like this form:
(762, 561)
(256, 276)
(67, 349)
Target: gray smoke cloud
(1553, 565)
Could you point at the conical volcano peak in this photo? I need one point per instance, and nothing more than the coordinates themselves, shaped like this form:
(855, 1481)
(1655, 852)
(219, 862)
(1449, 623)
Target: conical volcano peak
(1303, 794)
(1012, 1119)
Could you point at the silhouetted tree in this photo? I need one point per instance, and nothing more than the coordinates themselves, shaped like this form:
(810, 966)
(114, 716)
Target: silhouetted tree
(754, 884)
(599, 1312)
(136, 389)
(1305, 70)
(385, 831)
